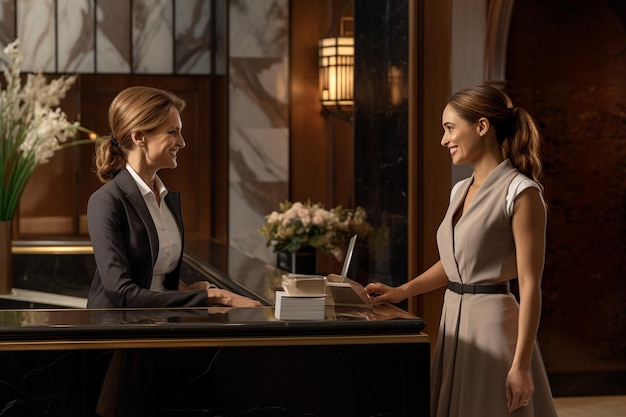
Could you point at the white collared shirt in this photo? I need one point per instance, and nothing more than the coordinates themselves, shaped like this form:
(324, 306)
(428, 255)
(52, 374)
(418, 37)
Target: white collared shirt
(170, 245)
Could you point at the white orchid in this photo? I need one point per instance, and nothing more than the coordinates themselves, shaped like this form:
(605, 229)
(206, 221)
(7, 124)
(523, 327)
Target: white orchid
(32, 126)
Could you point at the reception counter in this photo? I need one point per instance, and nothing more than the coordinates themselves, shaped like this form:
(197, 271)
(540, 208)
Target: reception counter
(214, 361)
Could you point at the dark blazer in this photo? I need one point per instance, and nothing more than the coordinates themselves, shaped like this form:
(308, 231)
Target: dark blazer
(126, 245)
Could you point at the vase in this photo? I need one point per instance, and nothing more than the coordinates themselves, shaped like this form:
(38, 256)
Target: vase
(303, 261)
(6, 257)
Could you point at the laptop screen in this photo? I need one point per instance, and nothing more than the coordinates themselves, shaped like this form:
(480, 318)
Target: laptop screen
(344, 291)
(348, 259)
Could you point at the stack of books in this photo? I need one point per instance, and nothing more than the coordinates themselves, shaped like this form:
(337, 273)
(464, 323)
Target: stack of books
(297, 307)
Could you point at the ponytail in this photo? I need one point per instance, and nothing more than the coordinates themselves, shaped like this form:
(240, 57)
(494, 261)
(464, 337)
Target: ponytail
(523, 146)
(109, 159)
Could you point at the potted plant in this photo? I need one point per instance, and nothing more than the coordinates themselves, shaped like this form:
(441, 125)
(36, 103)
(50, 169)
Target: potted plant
(298, 230)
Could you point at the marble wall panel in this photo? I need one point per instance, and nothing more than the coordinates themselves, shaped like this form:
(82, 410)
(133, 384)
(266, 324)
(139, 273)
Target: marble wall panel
(261, 150)
(87, 36)
(75, 35)
(259, 136)
(258, 168)
(259, 86)
(258, 28)
(153, 42)
(113, 40)
(192, 23)
(37, 34)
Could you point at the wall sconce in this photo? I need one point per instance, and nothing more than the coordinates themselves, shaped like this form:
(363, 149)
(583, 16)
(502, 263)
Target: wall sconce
(336, 75)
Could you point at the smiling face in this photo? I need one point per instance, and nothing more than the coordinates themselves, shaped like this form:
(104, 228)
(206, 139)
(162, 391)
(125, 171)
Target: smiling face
(462, 138)
(163, 143)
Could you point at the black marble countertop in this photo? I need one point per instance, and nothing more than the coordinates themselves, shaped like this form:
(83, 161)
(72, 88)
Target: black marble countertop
(223, 326)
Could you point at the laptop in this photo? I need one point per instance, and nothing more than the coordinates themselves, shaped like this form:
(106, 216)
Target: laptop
(342, 291)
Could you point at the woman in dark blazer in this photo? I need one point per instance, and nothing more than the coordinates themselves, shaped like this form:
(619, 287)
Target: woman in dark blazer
(135, 223)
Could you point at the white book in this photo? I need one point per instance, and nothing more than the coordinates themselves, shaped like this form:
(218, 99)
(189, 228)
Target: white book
(291, 307)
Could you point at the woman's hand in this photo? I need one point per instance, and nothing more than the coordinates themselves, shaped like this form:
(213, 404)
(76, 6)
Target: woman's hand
(231, 299)
(218, 296)
(519, 389)
(433, 278)
(381, 293)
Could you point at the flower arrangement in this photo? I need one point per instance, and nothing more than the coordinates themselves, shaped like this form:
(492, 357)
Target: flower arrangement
(32, 127)
(299, 225)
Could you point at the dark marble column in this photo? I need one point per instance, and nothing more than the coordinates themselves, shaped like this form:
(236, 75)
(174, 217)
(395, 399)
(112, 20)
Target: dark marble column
(381, 134)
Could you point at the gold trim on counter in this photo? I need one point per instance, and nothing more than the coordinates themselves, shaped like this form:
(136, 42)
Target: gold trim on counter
(51, 248)
(212, 342)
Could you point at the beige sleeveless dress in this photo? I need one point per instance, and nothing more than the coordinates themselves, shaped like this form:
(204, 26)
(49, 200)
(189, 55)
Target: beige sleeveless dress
(478, 332)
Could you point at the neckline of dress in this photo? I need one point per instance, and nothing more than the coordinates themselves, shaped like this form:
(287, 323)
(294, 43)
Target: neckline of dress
(487, 180)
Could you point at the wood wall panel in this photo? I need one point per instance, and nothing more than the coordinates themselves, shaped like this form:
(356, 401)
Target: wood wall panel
(431, 187)
(321, 153)
(217, 137)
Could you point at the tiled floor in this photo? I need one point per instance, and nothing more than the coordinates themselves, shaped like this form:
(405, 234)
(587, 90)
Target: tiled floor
(609, 406)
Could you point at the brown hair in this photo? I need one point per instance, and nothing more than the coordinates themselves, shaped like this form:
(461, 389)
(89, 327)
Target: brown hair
(135, 109)
(516, 131)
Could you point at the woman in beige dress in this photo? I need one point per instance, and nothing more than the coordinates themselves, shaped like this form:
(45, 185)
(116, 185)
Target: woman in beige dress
(487, 362)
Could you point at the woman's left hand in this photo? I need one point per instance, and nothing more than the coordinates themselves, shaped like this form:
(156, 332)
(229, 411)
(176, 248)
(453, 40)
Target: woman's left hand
(231, 299)
(219, 296)
(519, 389)
(241, 301)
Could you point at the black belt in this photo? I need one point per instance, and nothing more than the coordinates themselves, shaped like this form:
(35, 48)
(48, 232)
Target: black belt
(459, 288)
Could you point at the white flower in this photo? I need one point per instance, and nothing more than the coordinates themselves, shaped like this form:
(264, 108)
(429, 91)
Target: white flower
(32, 126)
(318, 219)
(274, 217)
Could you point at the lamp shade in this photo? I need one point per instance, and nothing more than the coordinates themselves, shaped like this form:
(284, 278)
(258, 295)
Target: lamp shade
(336, 71)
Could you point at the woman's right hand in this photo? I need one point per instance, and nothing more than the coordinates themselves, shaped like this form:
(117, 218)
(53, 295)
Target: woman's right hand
(433, 278)
(380, 293)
